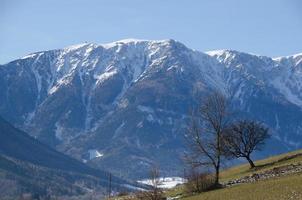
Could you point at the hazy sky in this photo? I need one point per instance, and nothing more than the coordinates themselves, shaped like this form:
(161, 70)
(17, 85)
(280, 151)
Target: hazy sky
(266, 27)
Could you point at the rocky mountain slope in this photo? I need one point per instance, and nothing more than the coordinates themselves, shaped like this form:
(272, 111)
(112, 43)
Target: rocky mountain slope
(124, 105)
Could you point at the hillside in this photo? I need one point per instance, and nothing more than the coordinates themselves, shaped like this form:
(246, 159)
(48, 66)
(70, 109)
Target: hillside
(284, 188)
(278, 177)
(19, 178)
(28, 166)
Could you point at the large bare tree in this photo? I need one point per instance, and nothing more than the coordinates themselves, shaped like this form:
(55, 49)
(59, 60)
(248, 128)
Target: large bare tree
(205, 133)
(244, 137)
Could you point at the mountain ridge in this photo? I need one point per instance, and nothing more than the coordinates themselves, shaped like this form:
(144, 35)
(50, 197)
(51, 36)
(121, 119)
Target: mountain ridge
(135, 40)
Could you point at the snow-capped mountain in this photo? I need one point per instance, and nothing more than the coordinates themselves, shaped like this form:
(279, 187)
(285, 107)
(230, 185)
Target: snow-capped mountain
(128, 100)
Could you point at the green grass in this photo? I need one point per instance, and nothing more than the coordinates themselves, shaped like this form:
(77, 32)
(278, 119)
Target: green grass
(287, 187)
(174, 192)
(262, 165)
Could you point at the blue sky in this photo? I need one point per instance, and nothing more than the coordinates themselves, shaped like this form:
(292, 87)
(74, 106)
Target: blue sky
(266, 27)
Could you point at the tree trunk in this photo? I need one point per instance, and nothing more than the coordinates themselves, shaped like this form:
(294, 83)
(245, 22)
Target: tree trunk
(217, 175)
(252, 165)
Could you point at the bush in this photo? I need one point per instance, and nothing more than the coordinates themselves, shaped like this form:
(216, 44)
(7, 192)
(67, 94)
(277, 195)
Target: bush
(199, 182)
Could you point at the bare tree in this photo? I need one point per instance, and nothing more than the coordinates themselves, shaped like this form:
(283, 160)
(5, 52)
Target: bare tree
(244, 137)
(205, 133)
(155, 193)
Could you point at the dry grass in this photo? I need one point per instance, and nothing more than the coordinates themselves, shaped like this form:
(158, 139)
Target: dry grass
(262, 165)
(284, 188)
(176, 191)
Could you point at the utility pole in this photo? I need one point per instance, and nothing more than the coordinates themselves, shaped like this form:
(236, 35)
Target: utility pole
(109, 188)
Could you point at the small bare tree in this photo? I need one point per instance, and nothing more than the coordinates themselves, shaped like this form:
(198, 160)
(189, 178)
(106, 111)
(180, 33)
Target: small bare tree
(244, 137)
(205, 133)
(155, 193)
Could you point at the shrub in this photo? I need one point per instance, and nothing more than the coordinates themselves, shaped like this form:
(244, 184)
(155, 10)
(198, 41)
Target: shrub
(199, 182)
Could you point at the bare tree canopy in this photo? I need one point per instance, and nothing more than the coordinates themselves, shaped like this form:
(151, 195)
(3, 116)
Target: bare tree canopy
(244, 137)
(205, 133)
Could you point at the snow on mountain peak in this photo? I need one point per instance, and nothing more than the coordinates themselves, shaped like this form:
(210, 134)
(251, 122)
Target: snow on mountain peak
(289, 56)
(297, 56)
(120, 42)
(136, 56)
(229, 53)
(136, 41)
(218, 52)
(280, 73)
(223, 55)
(32, 55)
(129, 40)
(294, 60)
(77, 46)
(85, 47)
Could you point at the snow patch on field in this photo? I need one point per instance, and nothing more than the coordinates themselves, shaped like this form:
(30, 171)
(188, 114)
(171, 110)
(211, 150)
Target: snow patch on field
(165, 182)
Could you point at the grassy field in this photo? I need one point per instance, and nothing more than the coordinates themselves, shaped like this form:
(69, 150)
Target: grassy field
(284, 188)
(262, 165)
(288, 187)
